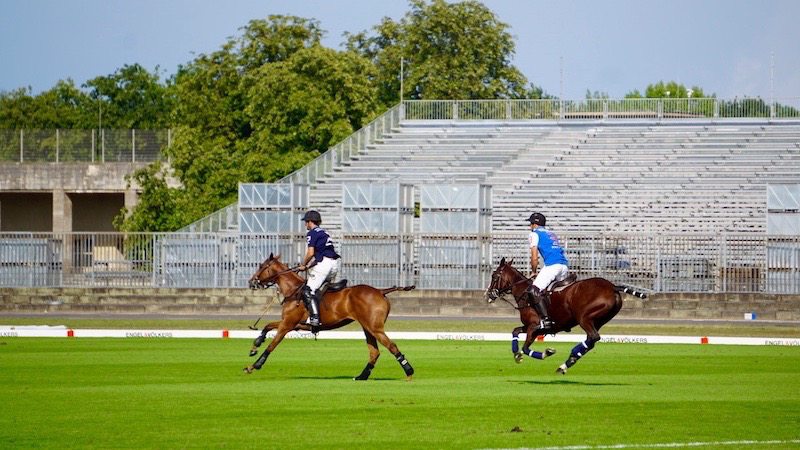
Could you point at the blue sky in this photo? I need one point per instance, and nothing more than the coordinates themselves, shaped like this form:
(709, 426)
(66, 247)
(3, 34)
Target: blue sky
(727, 47)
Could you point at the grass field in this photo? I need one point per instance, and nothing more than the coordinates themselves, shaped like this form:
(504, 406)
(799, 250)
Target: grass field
(187, 393)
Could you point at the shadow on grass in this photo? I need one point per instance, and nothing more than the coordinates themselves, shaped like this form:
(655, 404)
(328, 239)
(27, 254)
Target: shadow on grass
(565, 383)
(342, 377)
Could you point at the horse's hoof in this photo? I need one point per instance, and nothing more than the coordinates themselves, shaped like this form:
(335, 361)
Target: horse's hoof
(562, 370)
(248, 369)
(518, 357)
(549, 352)
(361, 378)
(408, 378)
(253, 352)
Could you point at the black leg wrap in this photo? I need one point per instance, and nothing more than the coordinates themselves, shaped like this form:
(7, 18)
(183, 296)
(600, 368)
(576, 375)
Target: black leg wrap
(261, 360)
(404, 364)
(259, 340)
(366, 372)
(571, 361)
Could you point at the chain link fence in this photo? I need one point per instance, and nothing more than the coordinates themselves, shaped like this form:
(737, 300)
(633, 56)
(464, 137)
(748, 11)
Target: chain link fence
(95, 146)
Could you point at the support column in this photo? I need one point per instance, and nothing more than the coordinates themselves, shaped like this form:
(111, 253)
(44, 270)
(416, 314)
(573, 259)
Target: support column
(62, 212)
(62, 223)
(131, 199)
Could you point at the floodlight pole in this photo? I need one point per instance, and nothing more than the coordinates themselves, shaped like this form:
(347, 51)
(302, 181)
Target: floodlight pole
(772, 84)
(401, 80)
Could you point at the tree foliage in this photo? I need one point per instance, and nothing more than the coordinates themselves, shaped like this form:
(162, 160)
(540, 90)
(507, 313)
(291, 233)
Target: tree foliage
(671, 89)
(156, 210)
(450, 51)
(131, 97)
(262, 106)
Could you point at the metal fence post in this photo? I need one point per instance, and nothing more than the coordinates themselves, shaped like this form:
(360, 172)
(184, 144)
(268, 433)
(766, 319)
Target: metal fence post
(58, 145)
(133, 145)
(21, 145)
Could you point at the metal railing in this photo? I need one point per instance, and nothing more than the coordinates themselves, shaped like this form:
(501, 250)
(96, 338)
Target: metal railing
(344, 150)
(739, 263)
(225, 219)
(663, 109)
(95, 146)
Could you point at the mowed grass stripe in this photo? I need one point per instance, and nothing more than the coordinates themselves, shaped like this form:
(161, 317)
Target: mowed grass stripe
(191, 393)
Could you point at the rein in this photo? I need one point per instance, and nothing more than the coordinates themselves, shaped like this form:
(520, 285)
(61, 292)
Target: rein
(502, 295)
(273, 278)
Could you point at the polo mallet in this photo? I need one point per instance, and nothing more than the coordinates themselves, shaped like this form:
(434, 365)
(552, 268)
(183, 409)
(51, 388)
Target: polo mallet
(253, 326)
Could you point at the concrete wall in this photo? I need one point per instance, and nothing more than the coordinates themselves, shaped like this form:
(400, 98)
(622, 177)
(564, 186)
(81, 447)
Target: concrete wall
(413, 303)
(73, 177)
(65, 197)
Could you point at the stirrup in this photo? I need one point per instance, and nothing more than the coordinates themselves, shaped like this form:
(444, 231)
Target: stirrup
(545, 324)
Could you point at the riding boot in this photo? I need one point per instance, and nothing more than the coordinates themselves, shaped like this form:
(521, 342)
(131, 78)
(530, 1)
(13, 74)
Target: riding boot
(312, 305)
(540, 306)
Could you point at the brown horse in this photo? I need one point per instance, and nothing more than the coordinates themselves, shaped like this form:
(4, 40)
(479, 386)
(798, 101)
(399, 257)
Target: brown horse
(590, 303)
(361, 303)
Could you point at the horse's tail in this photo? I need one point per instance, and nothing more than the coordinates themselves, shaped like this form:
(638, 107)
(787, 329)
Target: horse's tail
(631, 291)
(385, 291)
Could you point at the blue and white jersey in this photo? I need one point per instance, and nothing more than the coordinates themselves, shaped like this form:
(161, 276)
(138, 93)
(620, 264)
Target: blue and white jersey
(548, 245)
(322, 243)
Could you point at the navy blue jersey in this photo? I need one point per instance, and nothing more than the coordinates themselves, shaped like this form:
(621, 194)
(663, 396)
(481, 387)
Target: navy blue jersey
(322, 243)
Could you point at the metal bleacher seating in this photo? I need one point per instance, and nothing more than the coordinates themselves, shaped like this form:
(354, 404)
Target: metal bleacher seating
(587, 177)
(419, 152)
(658, 178)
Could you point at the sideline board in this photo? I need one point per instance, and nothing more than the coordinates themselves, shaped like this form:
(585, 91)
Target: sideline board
(60, 331)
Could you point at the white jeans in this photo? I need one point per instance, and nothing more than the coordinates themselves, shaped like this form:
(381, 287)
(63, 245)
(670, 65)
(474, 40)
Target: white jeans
(325, 270)
(550, 273)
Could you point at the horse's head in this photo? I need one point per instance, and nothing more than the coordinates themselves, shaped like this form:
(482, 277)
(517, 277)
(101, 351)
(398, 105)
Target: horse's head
(267, 273)
(503, 280)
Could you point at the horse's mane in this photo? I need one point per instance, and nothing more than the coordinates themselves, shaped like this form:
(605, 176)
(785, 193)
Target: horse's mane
(510, 265)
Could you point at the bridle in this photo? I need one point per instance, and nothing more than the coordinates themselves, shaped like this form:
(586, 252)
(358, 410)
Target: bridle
(257, 283)
(493, 293)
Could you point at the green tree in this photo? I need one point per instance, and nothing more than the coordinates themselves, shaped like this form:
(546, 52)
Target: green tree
(157, 209)
(300, 107)
(671, 89)
(62, 106)
(131, 97)
(451, 51)
(260, 107)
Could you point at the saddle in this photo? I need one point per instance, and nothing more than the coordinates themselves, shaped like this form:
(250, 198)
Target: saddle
(556, 286)
(331, 287)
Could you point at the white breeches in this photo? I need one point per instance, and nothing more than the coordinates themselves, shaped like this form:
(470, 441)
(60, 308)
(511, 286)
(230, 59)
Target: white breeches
(325, 270)
(550, 273)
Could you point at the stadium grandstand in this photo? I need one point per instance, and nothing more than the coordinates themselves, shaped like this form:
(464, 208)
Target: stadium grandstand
(621, 173)
(690, 195)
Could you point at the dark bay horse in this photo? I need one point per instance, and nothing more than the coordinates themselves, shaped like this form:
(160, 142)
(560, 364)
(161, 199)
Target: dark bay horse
(589, 303)
(361, 303)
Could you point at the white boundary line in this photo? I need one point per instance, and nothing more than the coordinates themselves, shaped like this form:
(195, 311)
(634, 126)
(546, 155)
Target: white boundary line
(667, 445)
(60, 331)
